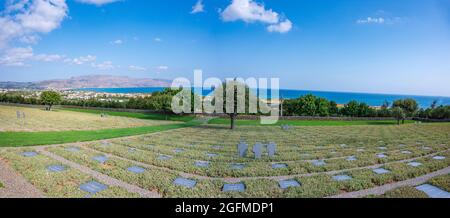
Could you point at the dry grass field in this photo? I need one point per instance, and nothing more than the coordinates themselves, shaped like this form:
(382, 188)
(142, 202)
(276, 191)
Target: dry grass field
(40, 120)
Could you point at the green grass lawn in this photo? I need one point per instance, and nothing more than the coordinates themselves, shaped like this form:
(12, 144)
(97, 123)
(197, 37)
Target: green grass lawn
(16, 139)
(134, 115)
(1, 185)
(310, 122)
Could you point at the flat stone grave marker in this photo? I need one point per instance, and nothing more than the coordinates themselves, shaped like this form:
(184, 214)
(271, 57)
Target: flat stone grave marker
(164, 157)
(93, 187)
(188, 183)
(439, 157)
(101, 159)
(257, 150)
(237, 166)
(190, 145)
(288, 183)
(406, 152)
(239, 187)
(217, 147)
(242, 149)
(149, 146)
(131, 150)
(343, 145)
(136, 169)
(56, 168)
(285, 127)
(305, 155)
(178, 150)
(200, 163)
(29, 154)
(380, 171)
(351, 158)
(271, 149)
(401, 145)
(360, 150)
(426, 148)
(342, 177)
(211, 155)
(73, 149)
(433, 191)
(382, 148)
(318, 163)
(414, 164)
(279, 165)
(105, 143)
(381, 156)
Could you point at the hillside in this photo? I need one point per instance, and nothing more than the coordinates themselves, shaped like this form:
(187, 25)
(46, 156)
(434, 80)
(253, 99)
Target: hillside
(89, 81)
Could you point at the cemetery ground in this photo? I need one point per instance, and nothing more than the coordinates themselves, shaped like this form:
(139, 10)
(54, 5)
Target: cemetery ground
(35, 119)
(198, 159)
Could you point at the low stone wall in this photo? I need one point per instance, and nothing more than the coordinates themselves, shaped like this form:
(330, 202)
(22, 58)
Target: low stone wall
(255, 117)
(110, 109)
(431, 120)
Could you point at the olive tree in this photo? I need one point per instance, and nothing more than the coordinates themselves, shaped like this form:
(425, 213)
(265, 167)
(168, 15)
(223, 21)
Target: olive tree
(398, 114)
(50, 98)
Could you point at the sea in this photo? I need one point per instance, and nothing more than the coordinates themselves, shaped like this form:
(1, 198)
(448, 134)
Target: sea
(338, 97)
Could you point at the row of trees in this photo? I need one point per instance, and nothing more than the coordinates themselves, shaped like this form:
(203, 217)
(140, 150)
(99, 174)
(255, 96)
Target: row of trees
(308, 105)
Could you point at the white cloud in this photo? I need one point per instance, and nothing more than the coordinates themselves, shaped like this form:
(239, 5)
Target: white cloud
(30, 39)
(282, 27)
(20, 55)
(23, 19)
(105, 65)
(97, 2)
(47, 58)
(162, 67)
(117, 42)
(16, 56)
(136, 68)
(81, 60)
(250, 12)
(198, 7)
(370, 20)
(157, 39)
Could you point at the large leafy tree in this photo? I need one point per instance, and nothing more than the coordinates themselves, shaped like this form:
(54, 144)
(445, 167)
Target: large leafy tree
(50, 98)
(322, 107)
(351, 108)
(235, 90)
(307, 105)
(398, 114)
(408, 105)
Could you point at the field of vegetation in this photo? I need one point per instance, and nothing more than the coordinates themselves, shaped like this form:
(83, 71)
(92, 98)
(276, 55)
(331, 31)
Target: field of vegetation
(313, 156)
(64, 120)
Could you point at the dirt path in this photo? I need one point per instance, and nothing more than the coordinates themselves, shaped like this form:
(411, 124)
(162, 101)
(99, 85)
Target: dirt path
(379, 190)
(15, 186)
(102, 177)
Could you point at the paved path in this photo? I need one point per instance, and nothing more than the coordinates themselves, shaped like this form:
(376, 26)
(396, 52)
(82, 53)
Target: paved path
(379, 190)
(238, 179)
(101, 177)
(15, 186)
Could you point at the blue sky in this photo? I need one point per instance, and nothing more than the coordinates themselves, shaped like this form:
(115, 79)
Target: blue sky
(376, 46)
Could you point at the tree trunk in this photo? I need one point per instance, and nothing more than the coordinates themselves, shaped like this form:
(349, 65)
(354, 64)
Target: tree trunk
(398, 122)
(403, 121)
(232, 119)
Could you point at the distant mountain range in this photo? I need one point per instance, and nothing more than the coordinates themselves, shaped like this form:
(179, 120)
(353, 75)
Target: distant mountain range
(89, 81)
